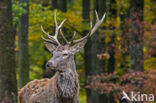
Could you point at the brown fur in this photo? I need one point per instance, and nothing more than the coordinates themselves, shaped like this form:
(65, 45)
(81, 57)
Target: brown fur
(46, 90)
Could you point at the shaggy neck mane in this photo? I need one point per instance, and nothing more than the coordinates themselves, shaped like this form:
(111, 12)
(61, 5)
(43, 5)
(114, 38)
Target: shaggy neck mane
(67, 83)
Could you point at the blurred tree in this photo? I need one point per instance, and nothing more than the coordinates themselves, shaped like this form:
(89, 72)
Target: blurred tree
(136, 35)
(62, 5)
(101, 47)
(111, 43)
(101, 37)
(90, 54)
(89, 69)
(8, 83)
(94, 46)
(23, 55)
(54, 4)
(124, 16)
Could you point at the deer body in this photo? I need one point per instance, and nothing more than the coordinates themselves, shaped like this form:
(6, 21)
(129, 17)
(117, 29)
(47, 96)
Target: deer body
(45, 91)
(63, 87)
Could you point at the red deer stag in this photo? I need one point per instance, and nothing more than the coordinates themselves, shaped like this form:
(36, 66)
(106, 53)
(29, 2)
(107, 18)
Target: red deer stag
(63, 87)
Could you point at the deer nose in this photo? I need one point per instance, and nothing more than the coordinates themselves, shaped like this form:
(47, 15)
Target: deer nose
(49, 64)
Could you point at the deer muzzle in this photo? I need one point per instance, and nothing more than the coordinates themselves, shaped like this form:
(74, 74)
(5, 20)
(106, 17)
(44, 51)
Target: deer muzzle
(50, 65)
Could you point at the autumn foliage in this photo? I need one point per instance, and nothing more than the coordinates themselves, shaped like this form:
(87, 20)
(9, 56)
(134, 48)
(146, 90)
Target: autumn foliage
(136, 81)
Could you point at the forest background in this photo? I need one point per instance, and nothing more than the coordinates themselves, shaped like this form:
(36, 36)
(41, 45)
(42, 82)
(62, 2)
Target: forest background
(120, 56)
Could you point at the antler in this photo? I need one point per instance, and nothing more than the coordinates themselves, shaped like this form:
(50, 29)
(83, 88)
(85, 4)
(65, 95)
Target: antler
(92, 31)
(68, 42)
(53, 39)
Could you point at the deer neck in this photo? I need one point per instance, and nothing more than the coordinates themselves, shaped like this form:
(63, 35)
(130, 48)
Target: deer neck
(67, 82)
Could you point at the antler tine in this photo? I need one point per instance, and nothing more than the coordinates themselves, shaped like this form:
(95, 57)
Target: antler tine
(92, 31)
(63, 37)
(56, 24)
(44, 31)
(97, 17)
(48, 40)
(73, 37)
(58, 27)
(68, 43)
(49, 36)
(47, 33)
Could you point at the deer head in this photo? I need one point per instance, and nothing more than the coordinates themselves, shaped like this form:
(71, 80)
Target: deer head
(63, 56)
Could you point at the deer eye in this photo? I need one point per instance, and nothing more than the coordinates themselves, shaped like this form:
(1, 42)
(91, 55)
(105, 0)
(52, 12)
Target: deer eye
(65, 54)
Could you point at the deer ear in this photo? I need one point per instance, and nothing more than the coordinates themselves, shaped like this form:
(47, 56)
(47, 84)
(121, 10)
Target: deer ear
(77, 47)
(51, 47)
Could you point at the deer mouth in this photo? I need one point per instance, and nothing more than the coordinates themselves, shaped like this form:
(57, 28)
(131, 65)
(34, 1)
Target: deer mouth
(55, 69)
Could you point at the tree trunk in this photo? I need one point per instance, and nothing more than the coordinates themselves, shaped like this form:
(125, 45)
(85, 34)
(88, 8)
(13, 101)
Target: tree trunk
(111, 44)
(101, 37)
(137, 35)
(111, 51)
(90, 55)
(124, 38)
(8, 87)
(101, 48)
(62, 5)
(54, 4)
(23, 55)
